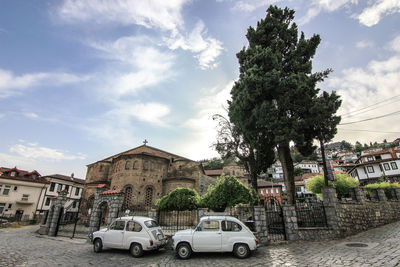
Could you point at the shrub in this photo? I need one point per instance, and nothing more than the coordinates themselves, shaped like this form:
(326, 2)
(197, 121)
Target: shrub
(179, 199)
(227, 192)
(342, 184)
(386, 186)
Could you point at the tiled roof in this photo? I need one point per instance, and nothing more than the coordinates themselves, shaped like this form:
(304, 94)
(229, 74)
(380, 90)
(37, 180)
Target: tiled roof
(101, 186)
(309, 175)
(263, 183)
(111, 192)
(67, 178)
(22, 175)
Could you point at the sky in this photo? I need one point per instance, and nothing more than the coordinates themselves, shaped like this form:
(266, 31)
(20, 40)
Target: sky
(84, 80)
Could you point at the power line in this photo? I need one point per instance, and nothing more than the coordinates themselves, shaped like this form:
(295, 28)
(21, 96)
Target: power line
(370, 131)
(374, 118)
(367, 110)
(383, 101)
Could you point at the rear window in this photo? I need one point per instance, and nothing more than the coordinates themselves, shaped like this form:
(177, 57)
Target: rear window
(151, 224)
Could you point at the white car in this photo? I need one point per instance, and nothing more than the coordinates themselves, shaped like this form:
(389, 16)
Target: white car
(134, 233)
(216, 234)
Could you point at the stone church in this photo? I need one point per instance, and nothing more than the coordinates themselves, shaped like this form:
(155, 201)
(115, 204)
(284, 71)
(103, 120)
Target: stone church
(140, 176)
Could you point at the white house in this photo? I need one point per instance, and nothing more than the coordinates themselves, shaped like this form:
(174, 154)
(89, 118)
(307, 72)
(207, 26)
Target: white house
(308, 166)
(58, 182)
(276, 170)
(369, 167)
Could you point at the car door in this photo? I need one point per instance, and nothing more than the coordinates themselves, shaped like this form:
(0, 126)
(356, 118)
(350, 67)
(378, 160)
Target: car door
(207, 236)
(231, 232)
(133, 232)
(113, 237)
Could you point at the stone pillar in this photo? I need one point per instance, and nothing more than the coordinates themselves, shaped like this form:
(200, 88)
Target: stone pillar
(359, 195)
(381, 194)
(201, 213)
(260, 224)
(59, 203)
(290, 221)
(331, 206)
(95, 213)
(396, 193)
(116, 204)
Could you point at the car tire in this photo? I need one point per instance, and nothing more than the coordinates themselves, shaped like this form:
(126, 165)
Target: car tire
(97, 245)
(183, 251)
(241, 251)
(136, 250)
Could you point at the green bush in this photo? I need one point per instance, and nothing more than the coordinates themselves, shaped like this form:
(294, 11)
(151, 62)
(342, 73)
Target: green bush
(179, 199)
(227, 192)
(386, 186)
(342, 184)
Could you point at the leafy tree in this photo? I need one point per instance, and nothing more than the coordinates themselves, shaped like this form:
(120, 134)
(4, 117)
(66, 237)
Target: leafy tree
(179, 199)
(213, 164)
(227, 192)
(347, 146)
(343, 183)
(232, 144)
(298, 171)
(271, 101)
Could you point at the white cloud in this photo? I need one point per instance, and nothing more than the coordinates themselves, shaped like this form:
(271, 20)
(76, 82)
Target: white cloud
(395, 44)
(201, 127)
(157, 15)
(207, 49)
(33, 151)
(361, 87)
(11, 84)
(31, 115)
(2, 115)
(371, 15)
(364, 44)
(249, 6)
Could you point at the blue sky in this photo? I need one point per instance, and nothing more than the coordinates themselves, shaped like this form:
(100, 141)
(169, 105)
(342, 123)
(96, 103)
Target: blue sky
(83, 80)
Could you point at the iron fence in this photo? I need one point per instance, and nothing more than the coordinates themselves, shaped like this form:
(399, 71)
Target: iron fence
(274, 220)
(172, 221)
(311, 214)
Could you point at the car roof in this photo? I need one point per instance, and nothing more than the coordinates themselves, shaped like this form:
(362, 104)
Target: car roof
(219, 217)
(136, 218)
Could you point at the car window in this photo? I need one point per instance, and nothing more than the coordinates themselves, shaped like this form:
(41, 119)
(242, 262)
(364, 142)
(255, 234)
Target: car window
(229, 226)
(133, 226)
(209, 226)
(151, 224)
(118, 225)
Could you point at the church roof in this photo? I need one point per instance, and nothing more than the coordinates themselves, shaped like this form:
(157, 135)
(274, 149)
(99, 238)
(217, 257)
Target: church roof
(140, 151)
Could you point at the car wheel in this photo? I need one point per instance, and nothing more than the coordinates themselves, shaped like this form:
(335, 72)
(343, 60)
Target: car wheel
(183, 251)
(241, 251)
(97, 245)
(136, 250)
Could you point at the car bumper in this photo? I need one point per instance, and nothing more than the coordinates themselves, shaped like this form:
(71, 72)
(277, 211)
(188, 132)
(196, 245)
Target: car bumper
(157, 245)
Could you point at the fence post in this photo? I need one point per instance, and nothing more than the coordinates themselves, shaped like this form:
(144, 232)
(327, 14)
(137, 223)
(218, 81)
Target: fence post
(381, 194)
(359, 195)
(290, 221)
(177, 221)
(331, 205)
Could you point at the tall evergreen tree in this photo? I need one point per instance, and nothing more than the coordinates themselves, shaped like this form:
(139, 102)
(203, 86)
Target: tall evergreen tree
(276, 86)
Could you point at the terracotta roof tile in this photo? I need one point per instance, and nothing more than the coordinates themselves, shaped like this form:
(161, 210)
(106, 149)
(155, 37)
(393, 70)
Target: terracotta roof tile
(111, 192)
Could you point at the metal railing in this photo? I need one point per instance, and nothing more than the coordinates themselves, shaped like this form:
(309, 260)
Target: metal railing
(311, 214)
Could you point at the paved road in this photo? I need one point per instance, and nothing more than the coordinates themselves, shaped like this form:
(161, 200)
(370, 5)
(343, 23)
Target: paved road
(23, 247)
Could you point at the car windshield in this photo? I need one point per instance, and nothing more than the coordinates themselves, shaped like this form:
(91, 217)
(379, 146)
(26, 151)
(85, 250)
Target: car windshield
(151, 224)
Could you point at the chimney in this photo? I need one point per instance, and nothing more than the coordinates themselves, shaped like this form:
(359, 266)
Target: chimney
(72, 175)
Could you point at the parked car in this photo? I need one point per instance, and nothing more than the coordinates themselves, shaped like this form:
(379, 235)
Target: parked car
(134, 233)
(216, 234)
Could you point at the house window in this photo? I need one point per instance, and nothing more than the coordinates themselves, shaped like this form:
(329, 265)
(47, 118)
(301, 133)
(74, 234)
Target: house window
(74, 204)
(77, 191)
(0, 187)
(15, 188)
(298, 189)
(52, 186)
(67, 187)
(370, 169)
(277, 190)
(262, 192)
(101, 168)
(6, 190)
(378, 157)
(59, 188)
(127, 165)
(149, 196)
(2, 205)
(370, 158)
(394, 166)
(25, 197)
(47, 201)
(9, 206)
(386, 166)
(13, 173)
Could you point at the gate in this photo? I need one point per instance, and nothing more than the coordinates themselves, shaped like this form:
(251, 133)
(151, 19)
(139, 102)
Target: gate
(69, 224)
(173, 221)
(274, 220)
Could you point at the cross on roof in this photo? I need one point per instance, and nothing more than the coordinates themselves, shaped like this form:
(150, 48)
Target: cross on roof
(145, 142)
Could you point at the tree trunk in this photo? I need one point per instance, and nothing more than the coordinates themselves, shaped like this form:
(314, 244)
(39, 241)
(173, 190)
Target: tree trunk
(324, 162)
(288, 171)
(253, 171)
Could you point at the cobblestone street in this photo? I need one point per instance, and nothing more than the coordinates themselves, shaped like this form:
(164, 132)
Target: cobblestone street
(23, 247)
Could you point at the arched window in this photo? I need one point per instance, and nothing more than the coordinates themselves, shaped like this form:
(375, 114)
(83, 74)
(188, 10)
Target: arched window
(149, 196)
(135, 165)
(127, 165)
(128, 197)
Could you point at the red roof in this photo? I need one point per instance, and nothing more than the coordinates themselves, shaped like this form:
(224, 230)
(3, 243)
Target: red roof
(111, 192)
(22, 175)
(101, 186)
(66, 178)
(213, 172)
